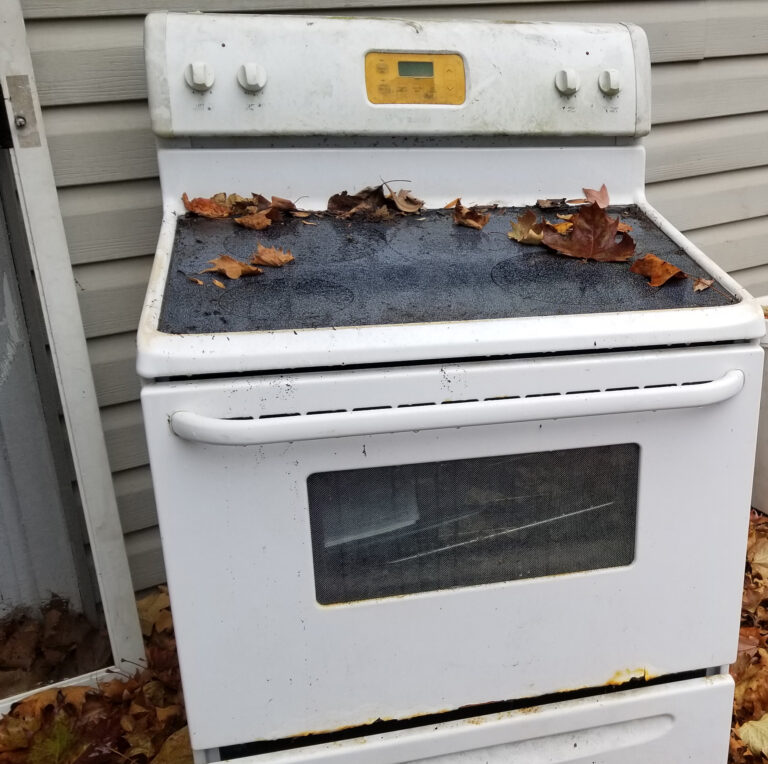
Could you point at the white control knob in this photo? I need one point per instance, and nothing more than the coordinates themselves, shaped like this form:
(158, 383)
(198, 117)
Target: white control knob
(199, 76)
(252, 77)
(567, 81)
(609, 82)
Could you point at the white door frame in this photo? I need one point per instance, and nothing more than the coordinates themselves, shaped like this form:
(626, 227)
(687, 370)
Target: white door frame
(38, 200)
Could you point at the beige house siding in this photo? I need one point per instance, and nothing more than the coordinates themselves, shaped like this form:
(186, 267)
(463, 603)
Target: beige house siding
(707, 164)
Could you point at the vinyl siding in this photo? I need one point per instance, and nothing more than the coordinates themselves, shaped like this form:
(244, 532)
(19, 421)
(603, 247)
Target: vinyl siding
(707, 164)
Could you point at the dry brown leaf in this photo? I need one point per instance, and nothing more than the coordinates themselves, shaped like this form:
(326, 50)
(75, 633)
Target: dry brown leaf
(405, 201)
(562, 227)
(257, 221)
(176, 749)
(366, 201)
(206, 208)
(308, 222)
(593, 237)
(271, 256)
(231, 267)
(699, 284)
(624, 227)
(471, 217)
(749, 640)
(218, 283)
(150, 606)
(581, 200)
(599, 197)
(199, 282)
(568, 217)
(164, 622)
(452, 204)
(284, 205)
(220, 198)
(76, 696)
(657, 270)
(526, 229)
(300, 213)
(548, 204)
(168, 712)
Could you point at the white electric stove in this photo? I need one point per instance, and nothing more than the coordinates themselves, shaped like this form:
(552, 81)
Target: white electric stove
(425, 492)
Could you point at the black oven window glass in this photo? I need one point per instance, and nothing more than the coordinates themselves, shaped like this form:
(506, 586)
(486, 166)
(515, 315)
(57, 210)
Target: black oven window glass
(386, 531)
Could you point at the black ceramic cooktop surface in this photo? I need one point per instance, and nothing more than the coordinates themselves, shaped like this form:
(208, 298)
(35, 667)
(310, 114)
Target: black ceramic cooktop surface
(409, 269)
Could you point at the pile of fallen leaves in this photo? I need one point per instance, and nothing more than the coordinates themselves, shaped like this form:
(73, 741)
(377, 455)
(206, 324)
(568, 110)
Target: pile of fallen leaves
(587, 233)
(47, 645)
(590, 233)
(749, 733)
(133, 719)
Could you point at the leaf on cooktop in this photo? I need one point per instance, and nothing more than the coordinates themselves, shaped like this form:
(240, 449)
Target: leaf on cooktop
(195, 281)
(405, 201)
(526, 229)
(218, 283)
(657, 270)
(367, 201)
(232, 268)
(699, 284)
(755, 735)
(257, 221)
(206, 208)
(284, 205)
(599, 197)
(471, 217)
(593, 237)
(548, 204)
(271, 256)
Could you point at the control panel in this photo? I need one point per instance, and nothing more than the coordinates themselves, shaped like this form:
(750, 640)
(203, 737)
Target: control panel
(214, 74)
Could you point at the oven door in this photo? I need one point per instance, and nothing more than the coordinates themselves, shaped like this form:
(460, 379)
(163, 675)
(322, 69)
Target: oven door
(350, 546)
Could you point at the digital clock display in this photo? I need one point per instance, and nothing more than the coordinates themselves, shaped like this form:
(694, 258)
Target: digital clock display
(415, 69)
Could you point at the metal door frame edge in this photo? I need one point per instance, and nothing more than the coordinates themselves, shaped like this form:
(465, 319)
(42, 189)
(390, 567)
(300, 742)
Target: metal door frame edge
(36, 189)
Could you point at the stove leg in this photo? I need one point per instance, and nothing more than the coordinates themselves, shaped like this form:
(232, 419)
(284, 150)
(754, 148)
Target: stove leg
(206, 756)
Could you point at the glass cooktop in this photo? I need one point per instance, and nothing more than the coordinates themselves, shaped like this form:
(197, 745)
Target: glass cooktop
(410, 269)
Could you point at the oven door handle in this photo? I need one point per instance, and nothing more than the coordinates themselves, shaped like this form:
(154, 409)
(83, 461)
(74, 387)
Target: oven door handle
(250, 432)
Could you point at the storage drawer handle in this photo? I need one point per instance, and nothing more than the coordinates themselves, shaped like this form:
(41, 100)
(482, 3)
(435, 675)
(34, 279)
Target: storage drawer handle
(251, 432)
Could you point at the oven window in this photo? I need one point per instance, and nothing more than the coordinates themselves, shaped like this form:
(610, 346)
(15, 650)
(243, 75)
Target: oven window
(386, 531)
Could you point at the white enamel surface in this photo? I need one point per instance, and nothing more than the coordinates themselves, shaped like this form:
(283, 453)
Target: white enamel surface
(245, 432)
(316, 78)
(671, 724)
(261, 659)
(485, 173)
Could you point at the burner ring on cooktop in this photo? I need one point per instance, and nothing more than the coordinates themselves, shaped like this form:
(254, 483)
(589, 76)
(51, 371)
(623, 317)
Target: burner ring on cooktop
(313, 301)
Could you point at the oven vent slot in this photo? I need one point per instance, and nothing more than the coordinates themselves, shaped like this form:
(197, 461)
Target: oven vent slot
(592, 391)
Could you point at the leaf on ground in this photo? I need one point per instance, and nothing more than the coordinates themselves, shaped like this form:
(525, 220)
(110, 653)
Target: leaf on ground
(232, 268)
(152, 605)
(206, 208)
(299, 213)
(452, 204)
(526, 229)
(699, 284)
(176, 749)
(549, 204)
(471, 217)
(218, 284)
(598, 197)
(199, 282)
(271, 256)
(755, 735)
(657, 270)
(624, 227)
(593, 237)
(757, 556)
(749, 640)
(257, 221)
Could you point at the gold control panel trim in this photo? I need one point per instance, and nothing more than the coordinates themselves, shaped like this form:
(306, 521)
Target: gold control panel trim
(426, 78)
